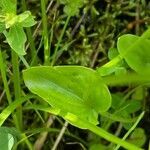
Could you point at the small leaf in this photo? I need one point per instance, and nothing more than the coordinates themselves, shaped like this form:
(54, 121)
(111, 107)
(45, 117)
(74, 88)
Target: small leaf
(26, 19)
(72, 7)
(138, 137)
(16, 38)
(112, 53)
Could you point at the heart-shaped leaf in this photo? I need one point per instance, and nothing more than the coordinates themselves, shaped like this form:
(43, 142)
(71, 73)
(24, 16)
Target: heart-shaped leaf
(73, 89)
(135, 50)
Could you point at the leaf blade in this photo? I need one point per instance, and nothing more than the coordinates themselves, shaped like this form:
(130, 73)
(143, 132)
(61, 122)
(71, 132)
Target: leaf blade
(16, 38)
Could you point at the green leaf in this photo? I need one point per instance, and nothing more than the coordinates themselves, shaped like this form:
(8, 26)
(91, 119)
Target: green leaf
(8, 137)
(138, 137)
(119, 117)
(26, 19)
(135, 50)
(132, 106)
(8, 110)
(71, 118)
(77, 91)
(112, 53)
(72, 7)
(123, 109)
(117, 100)
(16, 38)
(96, 95)
(8, 6)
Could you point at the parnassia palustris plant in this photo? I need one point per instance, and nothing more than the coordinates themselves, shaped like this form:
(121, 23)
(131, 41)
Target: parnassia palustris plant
(77, 93)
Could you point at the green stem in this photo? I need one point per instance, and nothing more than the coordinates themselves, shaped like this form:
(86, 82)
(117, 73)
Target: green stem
(30, 146)
(59, 41)
(29, 34)
(127, 79)
(35, 56)
(110, 66)
(51, 36)
(24, 62)
(4, 78)
(104, 134)
(131, 129)
(17, 88)
(45, 33)
(6, 87)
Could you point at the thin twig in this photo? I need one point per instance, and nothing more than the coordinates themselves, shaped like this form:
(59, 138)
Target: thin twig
(137, 17)
(42, 138)
(77, 25)
(131, 129)
(60, 136)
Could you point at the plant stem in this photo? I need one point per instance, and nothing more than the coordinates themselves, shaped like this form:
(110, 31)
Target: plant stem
(111, 138)
(4, 78)
(30, 147)
(59, 41)
(127, 79)
(45, 33)
(16, 80)
(29, 34)
(17, 88)
(109, 66)
(62, 131)
(104, 134)
(6, 87)
(131, 129)
(24, 62)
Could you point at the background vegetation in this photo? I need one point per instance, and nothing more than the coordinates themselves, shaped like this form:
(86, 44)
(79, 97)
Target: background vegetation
(84, 38)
